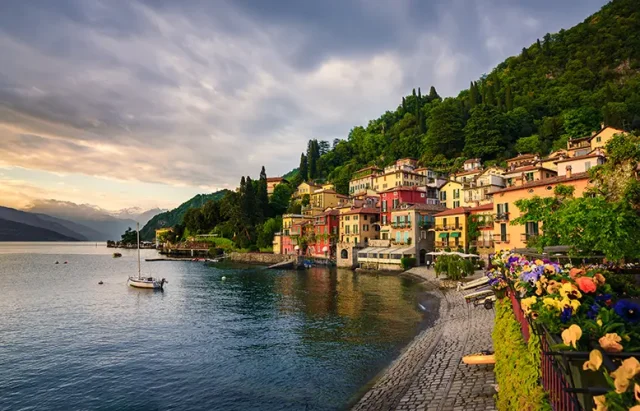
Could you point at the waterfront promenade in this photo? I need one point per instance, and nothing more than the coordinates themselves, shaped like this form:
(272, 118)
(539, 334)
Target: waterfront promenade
(429, 374)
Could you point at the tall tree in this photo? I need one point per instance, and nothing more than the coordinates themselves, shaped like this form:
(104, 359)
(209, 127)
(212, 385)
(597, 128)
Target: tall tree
(303, 170)
(433, 94)
(324, 147)
(313, 152)
(263, 196)
(444, 135)
(483, 133)
(473, 95)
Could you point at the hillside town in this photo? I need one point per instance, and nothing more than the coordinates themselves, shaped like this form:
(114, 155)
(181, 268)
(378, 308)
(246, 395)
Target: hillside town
(408, 211)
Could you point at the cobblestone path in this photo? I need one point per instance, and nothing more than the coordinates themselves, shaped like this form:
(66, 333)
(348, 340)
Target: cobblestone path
(430, 375)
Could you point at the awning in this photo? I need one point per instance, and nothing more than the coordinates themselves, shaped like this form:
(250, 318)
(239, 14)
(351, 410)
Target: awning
(455, 235)
(443, 235)
(365, 250)
(407, 251)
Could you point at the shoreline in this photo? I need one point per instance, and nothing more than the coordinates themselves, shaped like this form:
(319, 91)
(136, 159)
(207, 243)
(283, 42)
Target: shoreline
(428, 373)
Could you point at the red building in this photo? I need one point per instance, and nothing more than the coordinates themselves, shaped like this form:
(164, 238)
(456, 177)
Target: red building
(393, 197)
(325, 234)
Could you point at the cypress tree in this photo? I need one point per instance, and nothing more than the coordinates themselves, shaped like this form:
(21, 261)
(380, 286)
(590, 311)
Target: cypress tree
(414, 92)
(263, 195)
(525, 54)
(508, 99)
(419, 96)
(303, 170)
(404, 104)
(249, 209)
(433, 94)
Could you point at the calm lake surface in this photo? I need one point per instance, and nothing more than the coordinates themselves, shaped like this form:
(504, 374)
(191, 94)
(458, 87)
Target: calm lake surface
(263, 340)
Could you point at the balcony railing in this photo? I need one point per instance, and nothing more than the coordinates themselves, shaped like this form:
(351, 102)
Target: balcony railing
(500, 238)
(425, 224)
(442, 244)
(401, 224)
(502, 217)
(481, 243)
(448, 227)
(527, 237)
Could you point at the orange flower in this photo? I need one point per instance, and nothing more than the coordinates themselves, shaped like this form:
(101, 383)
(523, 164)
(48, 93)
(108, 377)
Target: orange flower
(599, 279)
(601, 403)
(571, 335)
(611, 342)
(576, 272)
(623, 375)
(586, 284)
(636, 391)
(595, 361)
(553, 286)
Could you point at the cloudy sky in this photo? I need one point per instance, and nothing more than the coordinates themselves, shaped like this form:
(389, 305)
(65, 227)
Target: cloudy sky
(146, 103)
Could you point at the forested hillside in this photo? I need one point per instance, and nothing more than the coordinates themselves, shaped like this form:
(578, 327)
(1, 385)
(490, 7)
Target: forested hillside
(564, 85)
(175, 216)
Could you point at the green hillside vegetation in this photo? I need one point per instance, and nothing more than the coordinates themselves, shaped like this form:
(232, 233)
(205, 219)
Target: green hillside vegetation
(175, 216)
(562, 86)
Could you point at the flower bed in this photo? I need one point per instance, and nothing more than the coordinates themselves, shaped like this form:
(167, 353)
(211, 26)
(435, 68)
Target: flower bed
(586, 317)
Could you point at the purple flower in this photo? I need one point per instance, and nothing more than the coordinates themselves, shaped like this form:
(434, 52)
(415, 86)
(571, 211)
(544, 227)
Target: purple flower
(593, 311)
(603, 298)
(565, 315)
(628, 310)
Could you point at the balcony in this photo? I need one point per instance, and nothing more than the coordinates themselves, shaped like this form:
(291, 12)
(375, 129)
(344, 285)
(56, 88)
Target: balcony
(401, 224)
(442, 244)
(425, 224)
(501, 217)
(485, 223)
(501, 238)
(481, 243)
(526, 237)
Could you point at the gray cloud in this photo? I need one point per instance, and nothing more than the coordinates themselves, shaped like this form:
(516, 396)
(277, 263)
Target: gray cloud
(199, 92)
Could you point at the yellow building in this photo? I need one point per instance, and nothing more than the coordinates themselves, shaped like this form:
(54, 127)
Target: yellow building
(507, 236)
(359, 225)
(602, 137)
(322, 199)
(405, 178)
(305, 188)
(363, 180)
(288, 220)
(161, 234)
(451, 229)
(451, 194)
(482, 216)
(277, 243)
(549, 162)
(526, 174)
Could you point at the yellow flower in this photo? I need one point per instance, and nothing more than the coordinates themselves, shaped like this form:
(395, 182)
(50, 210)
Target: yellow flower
(599, 322)
(526, 303)
(569, 290)
(539, 288)
(622, 376)
(611, 342)
(553, 286)
(574, 304)
(595, 361)
(636, 391)
(601, 403)
(571, 335)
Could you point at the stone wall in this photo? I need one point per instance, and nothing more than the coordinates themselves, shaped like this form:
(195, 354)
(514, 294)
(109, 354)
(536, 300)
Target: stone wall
(260, 258)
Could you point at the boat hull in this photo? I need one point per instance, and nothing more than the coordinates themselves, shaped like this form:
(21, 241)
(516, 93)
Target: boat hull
(142, 283)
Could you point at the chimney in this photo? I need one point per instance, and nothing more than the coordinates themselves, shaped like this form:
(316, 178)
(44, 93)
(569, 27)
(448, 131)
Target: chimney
(568, 173)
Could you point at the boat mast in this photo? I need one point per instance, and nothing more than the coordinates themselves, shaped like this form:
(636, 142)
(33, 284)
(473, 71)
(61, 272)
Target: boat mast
(138, 235)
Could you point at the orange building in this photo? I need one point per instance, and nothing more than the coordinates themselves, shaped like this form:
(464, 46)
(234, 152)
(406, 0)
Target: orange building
(272, 182)
(507, 236)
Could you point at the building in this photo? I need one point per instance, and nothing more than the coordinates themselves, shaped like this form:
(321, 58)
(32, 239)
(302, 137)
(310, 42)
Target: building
(507, 236)
(482, 218)
(526, 174)
(277, 243)
(451, 229)
(472, 164)
(393, 198)
(467, 176)
(451, 194)
(322, 199)
(478, 191)
(598, 139)
(549, 161)
(410, 225)
(272, 182)
(305, 188)
(522, 160)
(602, 137)
(401, 173)
(325, 234)
(580, 164)
(358, 225)
(363, 180)
(291, 232)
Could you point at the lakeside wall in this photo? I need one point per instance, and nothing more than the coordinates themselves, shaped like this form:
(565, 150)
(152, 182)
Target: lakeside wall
(260, 258)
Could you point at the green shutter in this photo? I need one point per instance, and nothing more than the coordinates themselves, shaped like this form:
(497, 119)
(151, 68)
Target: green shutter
(443, 235)
(455, 235)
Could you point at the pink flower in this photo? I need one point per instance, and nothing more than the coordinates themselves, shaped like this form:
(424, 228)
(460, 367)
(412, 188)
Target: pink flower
(586, 284)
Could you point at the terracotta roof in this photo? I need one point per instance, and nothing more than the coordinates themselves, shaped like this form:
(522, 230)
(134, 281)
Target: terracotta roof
(581, 138)
(454, 211)
(472, 160)
(528, 168)
(331, 212)
(272, 179)
(363, 210)
(544, 182)
(367, 168)
(464, 173)
(521, 156)
(483, 207)
(590, 155)
(420, 207)
(404, 188)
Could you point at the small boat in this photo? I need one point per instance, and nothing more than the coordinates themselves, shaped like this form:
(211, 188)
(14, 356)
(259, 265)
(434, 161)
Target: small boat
(145, 282)
(116, 255)
(484, 357)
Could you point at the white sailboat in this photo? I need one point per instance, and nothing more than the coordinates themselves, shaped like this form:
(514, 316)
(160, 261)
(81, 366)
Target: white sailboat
(145, 282)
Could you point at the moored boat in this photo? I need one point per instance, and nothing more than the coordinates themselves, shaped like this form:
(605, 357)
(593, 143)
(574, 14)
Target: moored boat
(116, 255)
(145, 282)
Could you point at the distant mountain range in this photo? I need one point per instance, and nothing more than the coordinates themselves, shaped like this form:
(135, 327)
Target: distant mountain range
(80, 222)
(173, 217)
(15, 231)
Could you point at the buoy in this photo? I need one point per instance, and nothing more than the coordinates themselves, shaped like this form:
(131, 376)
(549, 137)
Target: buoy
(57, 262)
(100, 282)
(223, 278)
(65, 262)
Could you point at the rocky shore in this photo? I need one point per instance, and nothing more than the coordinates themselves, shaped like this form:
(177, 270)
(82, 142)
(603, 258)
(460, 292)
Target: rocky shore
(429, 374)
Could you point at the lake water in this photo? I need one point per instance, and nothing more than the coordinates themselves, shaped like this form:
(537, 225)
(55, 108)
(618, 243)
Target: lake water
(260, 339)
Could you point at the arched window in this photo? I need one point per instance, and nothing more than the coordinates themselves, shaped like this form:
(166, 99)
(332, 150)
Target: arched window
(344, 254)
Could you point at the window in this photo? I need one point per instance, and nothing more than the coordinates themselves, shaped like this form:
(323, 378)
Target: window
(587, 165)
(384, 206)
(456, 193)
(528, 176)
(531, 229)
(346, 230)
(456, 204)
(384, 219)
(355, 241)
(598, 139)
(443, 196)
(355, 218)
(347, 218)
(503, 232)
(395, 203)
(365, 217)
(355, 229)
(457, 222)
(365, 227)
(366, 239)
(423, 235)
(444, 222)
(406, 236)
(385, 236)
(397, 236)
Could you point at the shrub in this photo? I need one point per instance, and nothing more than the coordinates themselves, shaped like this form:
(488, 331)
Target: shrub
(254, 248)
(467, 267)
(481, 264)
(407, 262)
(517, 366)
(453, 266)
(215, 251)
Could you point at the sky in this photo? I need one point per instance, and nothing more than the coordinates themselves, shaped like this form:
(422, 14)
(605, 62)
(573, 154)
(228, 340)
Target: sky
(122, 103)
